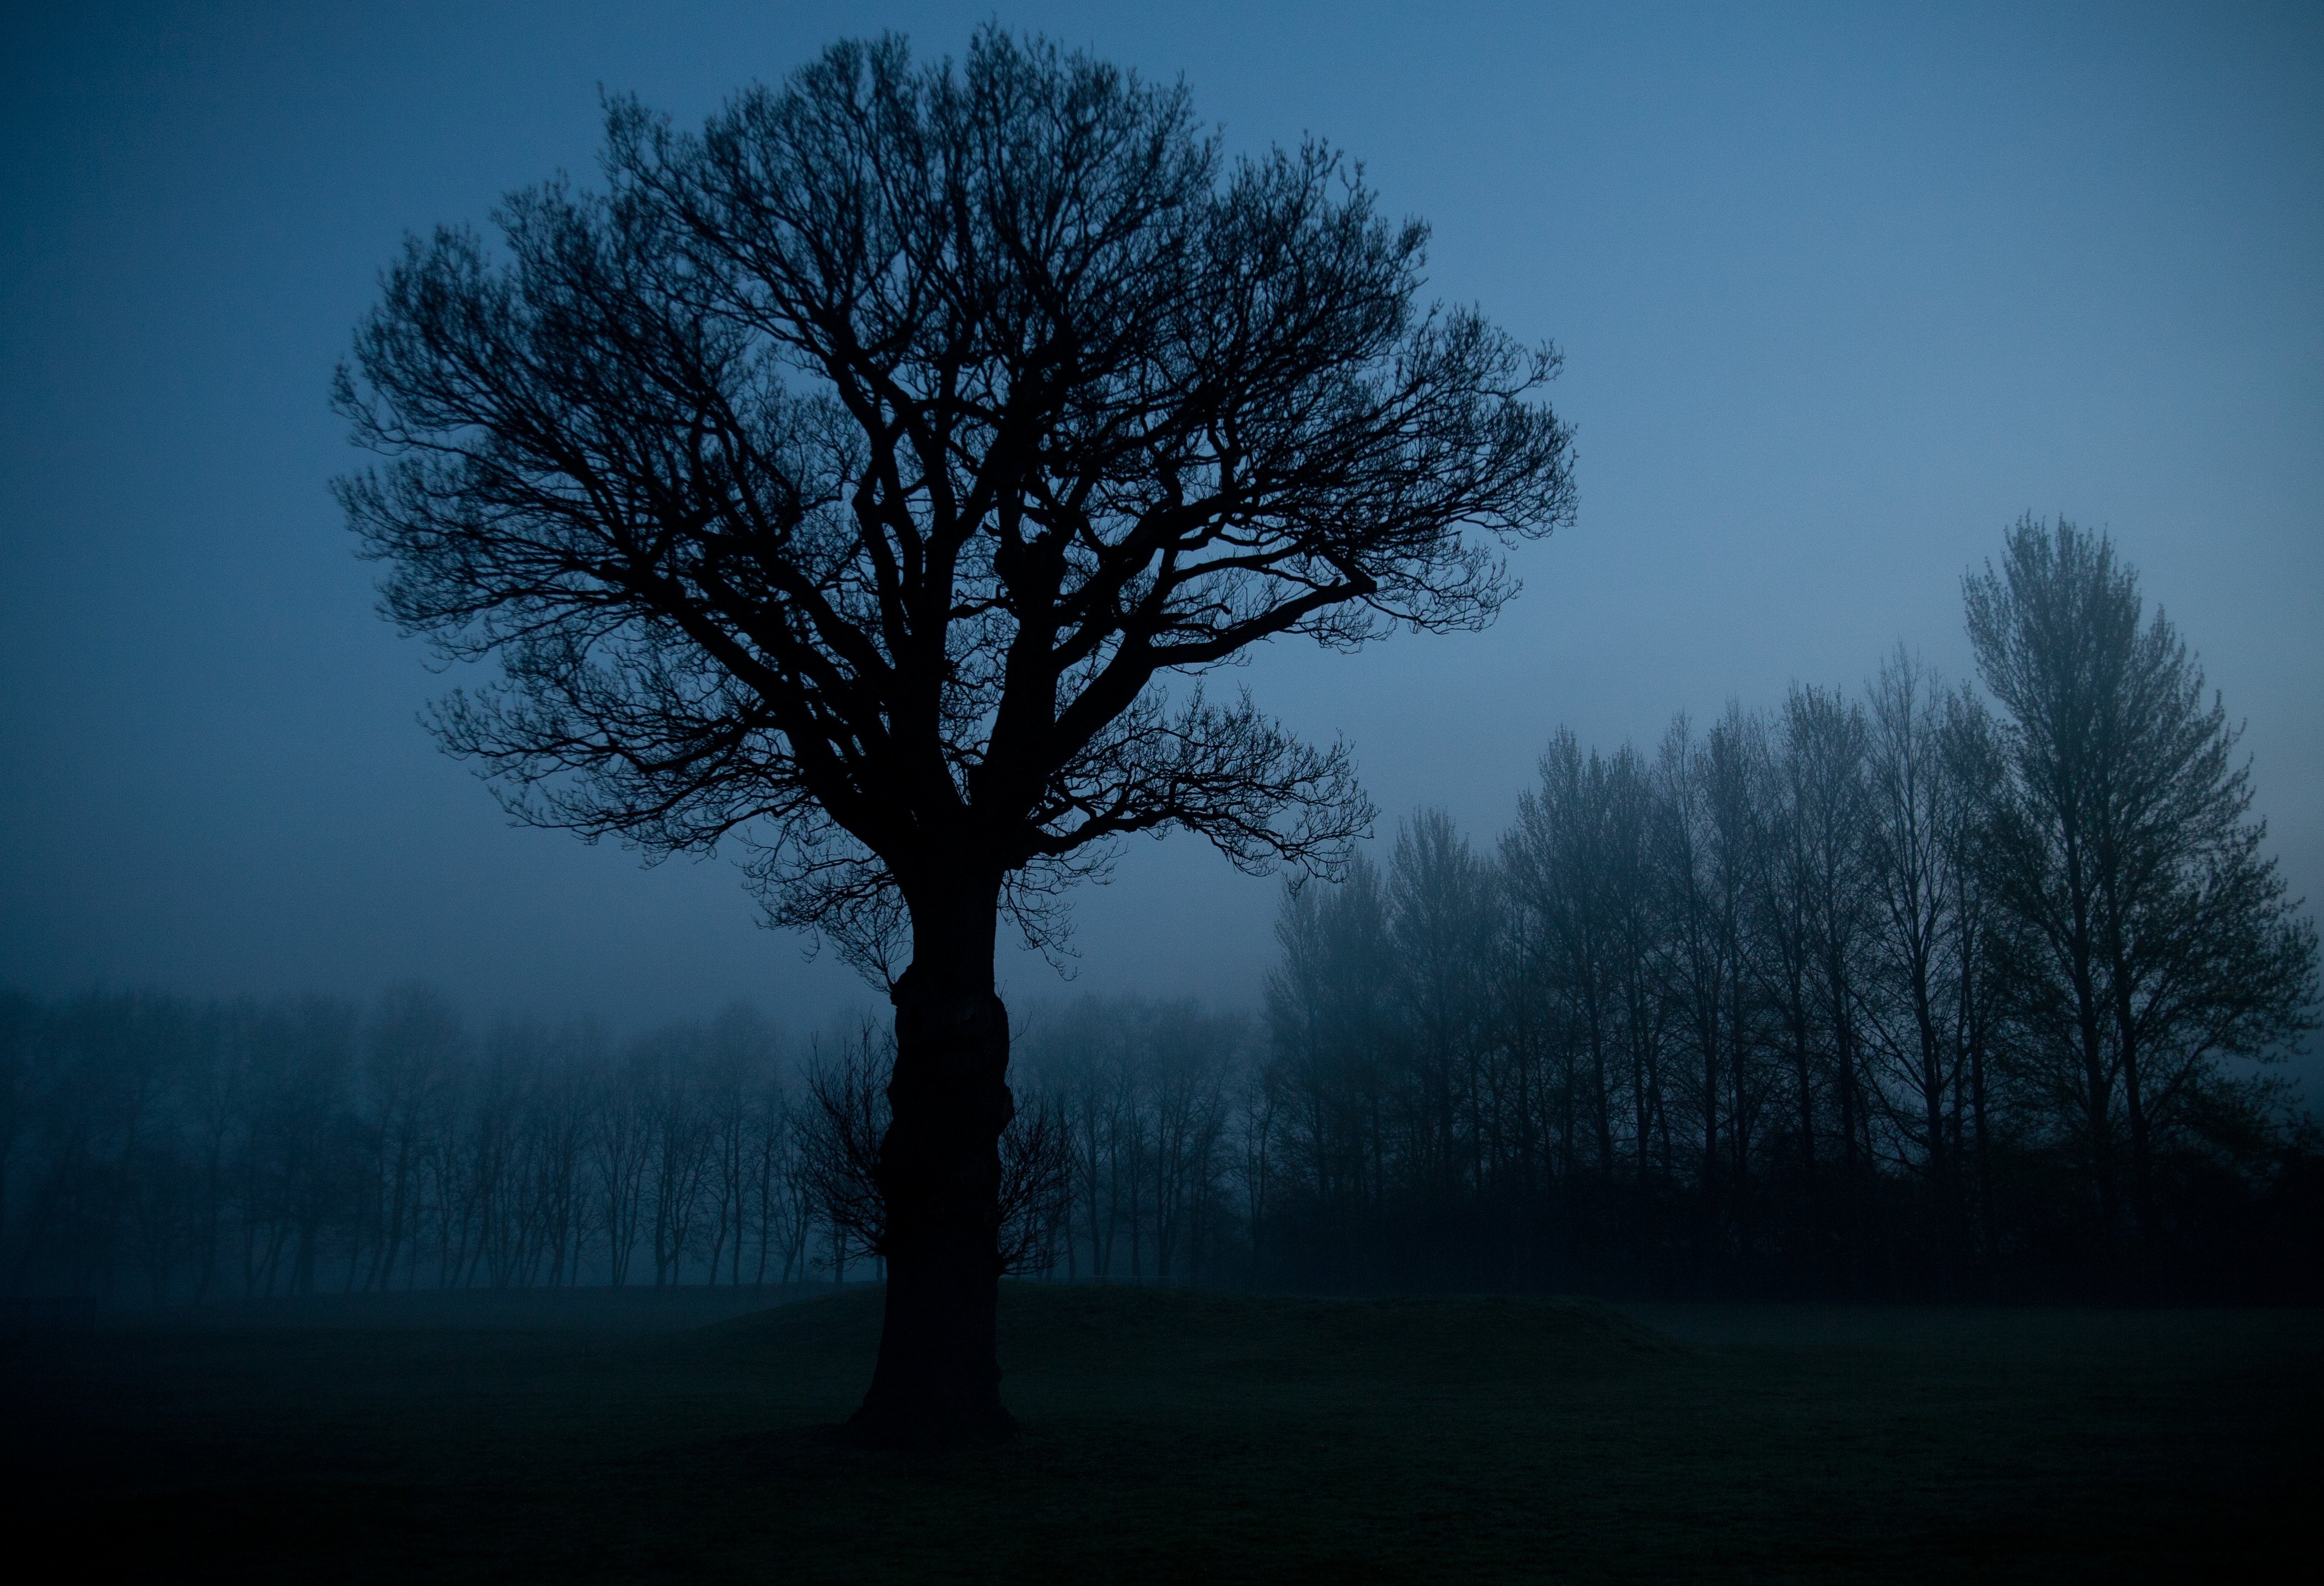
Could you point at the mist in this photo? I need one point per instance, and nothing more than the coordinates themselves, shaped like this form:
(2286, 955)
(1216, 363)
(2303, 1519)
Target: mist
(1838, 304)
(906, 792)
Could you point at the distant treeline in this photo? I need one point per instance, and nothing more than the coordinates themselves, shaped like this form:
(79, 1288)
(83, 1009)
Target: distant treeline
(1928, 992)
(164, 1151)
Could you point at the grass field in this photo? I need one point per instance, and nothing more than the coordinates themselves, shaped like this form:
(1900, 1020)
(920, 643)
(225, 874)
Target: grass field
(1184, 1435)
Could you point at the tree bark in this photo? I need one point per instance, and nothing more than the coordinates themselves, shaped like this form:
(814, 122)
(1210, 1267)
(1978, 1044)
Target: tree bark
(938, 1379)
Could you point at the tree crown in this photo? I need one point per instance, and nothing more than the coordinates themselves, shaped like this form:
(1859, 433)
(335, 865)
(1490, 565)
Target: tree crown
(858, 474)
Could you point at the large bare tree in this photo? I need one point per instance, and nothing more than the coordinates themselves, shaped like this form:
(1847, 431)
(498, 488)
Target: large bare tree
(871, 477)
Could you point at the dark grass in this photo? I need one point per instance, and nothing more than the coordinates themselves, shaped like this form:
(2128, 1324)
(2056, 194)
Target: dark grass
(1192, 1436)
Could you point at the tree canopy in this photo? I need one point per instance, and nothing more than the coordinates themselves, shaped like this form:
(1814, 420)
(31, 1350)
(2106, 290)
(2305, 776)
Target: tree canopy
(874, 473)
(873, 477)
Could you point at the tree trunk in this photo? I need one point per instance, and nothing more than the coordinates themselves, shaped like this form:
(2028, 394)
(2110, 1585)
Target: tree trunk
(939, 1376)
(2142, 1160)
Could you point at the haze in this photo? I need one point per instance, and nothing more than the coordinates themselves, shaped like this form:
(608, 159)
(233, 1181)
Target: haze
(1840, 296)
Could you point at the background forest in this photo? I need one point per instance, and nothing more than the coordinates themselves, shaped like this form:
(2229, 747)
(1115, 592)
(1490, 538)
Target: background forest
(1921, 991)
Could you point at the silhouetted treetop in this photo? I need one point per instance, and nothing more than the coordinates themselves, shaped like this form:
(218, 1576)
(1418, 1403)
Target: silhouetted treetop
(852, 470)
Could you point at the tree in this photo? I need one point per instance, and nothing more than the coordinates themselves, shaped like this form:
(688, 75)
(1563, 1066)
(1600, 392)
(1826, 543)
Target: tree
(1330, 1011)
(1442, 922)
(872, 475)
(1824, 814)
(1916, 807)
(1971, 749)
(844, 1125)
(410, 1051)
(2125, 849)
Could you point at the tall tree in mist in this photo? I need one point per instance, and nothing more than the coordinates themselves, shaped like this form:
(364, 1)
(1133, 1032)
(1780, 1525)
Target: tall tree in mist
(2156, 936)
(1821, 821)
(1442, 926)
(1913, 820)
(1332, 1012)
(1708, 853)
(869, 475)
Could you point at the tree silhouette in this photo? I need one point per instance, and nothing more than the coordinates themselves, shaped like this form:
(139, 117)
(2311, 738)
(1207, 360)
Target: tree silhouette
(872, 475)
(2156, 937)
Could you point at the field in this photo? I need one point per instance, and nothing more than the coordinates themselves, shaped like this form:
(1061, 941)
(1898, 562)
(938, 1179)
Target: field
(1178, 1434)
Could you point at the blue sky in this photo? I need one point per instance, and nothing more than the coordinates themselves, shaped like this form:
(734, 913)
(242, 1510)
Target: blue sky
(1842, 291)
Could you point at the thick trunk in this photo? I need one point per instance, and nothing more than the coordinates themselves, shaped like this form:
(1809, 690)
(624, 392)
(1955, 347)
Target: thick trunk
(939, 1376)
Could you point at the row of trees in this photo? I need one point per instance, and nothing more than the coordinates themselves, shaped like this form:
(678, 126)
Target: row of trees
(158, 1150)
(164, 1151)
(1925, 991)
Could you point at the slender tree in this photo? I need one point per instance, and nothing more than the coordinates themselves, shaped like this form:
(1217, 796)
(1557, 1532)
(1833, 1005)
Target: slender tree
(1441, 906)
(2127, 848)
(1973, 762)
(1915, 803)
(1826, 803)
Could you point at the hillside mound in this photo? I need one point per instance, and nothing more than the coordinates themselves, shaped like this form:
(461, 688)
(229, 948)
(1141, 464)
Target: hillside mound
(1114, 1330)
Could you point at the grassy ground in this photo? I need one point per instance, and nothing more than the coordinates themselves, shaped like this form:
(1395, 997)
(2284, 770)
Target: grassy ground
(1192, 1436)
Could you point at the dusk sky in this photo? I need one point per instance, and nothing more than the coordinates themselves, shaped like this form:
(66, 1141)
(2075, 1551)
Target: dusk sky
(1842, 292)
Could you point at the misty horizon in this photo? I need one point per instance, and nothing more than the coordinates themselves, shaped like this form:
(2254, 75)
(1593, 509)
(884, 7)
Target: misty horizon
(1515, 791)
(1821, 348)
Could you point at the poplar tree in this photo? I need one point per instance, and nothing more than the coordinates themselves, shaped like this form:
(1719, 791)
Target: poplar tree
(2125, 846)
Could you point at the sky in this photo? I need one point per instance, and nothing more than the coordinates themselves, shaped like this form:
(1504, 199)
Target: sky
(1842, 292)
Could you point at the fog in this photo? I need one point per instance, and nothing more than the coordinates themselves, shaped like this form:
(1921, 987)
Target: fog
(1795, 1077)
(1840, 296)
